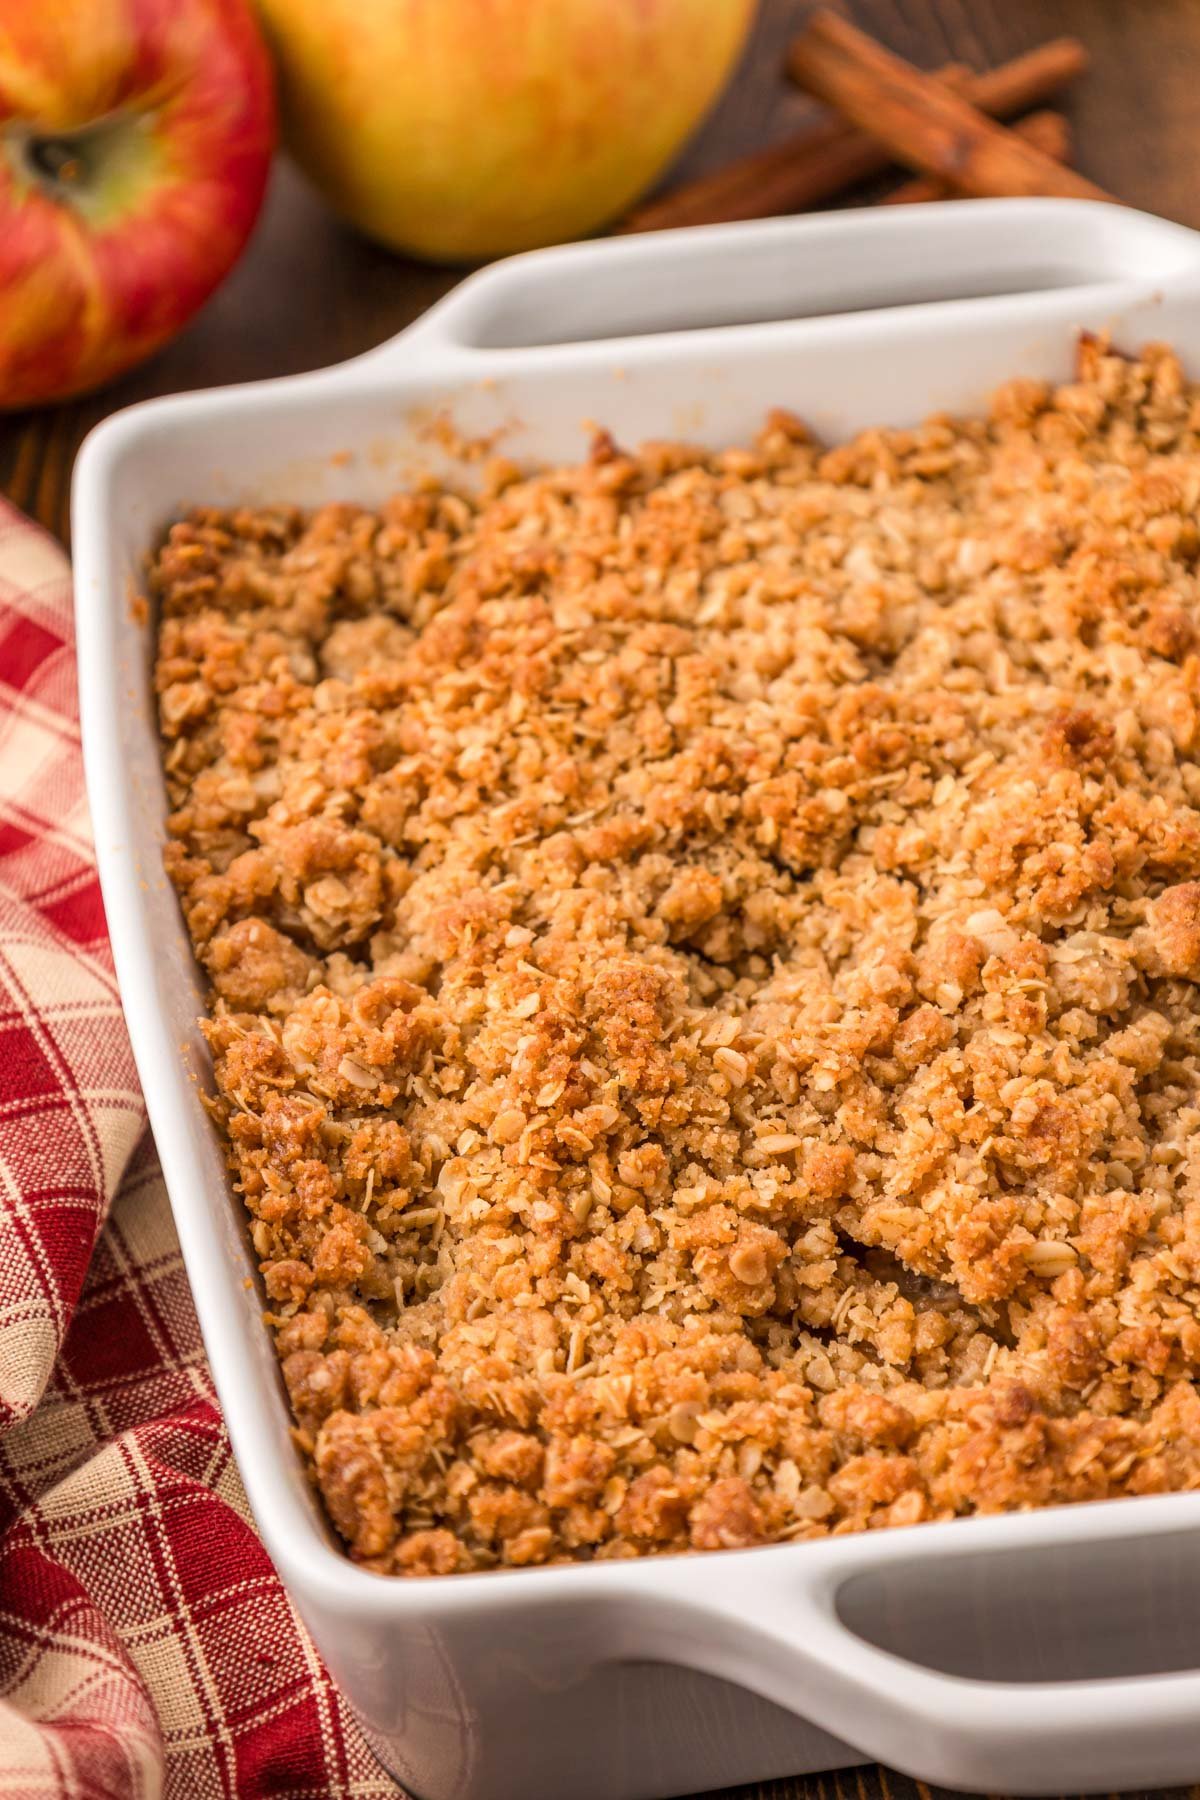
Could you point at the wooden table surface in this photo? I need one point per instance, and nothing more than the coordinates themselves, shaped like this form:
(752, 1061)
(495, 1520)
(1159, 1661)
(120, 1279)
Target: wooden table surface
(308, 292)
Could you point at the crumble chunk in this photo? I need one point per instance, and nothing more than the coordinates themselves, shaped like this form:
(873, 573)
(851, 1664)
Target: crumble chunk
(704, 953)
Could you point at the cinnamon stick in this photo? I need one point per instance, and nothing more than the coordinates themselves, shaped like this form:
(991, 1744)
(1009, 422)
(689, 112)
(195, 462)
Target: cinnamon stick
(1048, 131)
(829, 156)
(922, 122)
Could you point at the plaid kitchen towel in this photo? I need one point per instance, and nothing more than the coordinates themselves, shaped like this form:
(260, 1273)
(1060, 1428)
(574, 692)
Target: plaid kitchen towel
(146, 1646)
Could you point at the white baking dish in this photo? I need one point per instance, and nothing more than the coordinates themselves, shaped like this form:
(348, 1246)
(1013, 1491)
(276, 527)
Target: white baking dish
(1052, 1650)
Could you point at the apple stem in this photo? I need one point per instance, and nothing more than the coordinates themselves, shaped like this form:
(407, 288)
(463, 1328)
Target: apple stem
(55, 160)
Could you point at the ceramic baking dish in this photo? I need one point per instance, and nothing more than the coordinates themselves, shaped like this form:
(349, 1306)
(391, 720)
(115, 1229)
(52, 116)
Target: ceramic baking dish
(1047, 1651)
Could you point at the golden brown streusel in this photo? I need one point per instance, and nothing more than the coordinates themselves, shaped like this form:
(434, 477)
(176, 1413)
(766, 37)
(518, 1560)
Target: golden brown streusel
(703, 953)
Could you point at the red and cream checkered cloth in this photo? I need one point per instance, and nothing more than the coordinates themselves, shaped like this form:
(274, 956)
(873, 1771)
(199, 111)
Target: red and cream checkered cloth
(146, 1646)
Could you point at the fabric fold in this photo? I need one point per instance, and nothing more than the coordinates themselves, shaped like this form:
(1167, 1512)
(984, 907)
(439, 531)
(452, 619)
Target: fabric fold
(146, 1646)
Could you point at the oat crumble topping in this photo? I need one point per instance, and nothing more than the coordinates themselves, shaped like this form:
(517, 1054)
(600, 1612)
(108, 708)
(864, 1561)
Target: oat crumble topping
(704, 954)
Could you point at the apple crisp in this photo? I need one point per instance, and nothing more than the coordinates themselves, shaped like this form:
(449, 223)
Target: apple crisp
(704, 951)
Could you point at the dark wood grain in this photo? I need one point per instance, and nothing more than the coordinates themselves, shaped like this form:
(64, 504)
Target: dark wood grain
(309, 293)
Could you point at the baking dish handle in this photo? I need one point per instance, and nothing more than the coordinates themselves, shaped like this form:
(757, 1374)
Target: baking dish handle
(783, 1623)
(791, 268)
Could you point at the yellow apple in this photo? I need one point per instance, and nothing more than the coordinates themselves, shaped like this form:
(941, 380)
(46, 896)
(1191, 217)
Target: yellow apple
(460, 129)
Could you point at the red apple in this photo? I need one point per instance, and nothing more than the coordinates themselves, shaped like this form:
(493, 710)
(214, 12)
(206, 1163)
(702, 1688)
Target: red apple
(135, 140)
